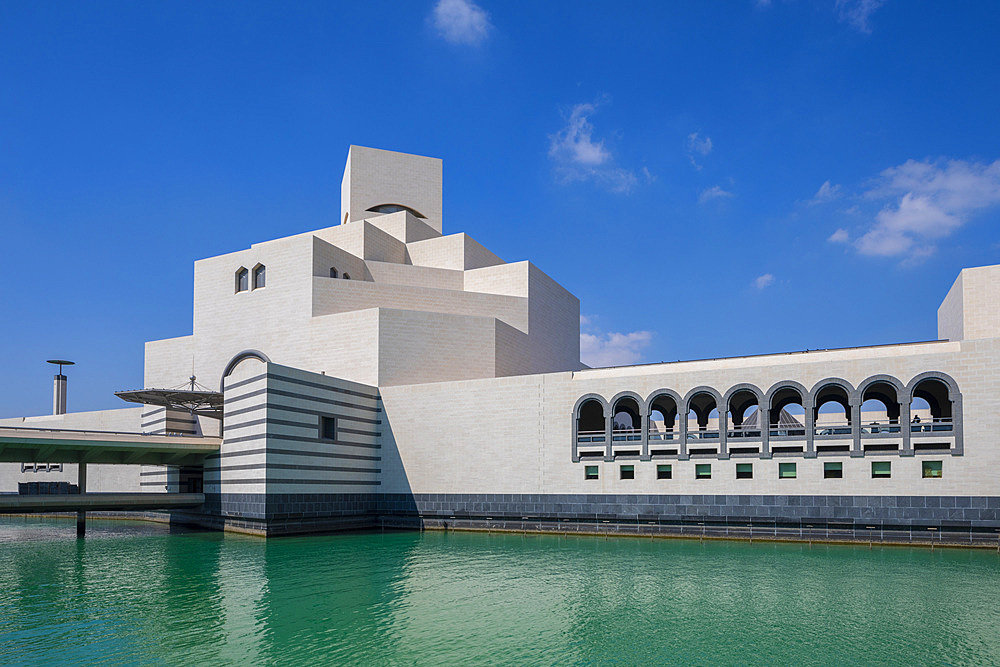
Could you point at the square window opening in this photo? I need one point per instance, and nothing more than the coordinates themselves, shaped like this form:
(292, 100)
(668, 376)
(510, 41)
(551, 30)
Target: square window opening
(744, 471)
(931, 469)
(833, 470)
(664, 471)
(786, 471)
(590, 472)
(703, 471)
(881, 469)
(627, 472)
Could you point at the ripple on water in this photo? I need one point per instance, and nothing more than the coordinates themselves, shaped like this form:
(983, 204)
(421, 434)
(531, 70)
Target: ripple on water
(143, 593)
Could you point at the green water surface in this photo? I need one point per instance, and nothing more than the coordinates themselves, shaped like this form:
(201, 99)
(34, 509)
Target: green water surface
(137, 593)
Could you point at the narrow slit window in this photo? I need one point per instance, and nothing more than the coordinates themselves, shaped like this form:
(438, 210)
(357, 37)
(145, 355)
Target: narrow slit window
(258, 276)
(627, 472)
(833, 470)
(703, 471)
(590, 472)
(333, 272)
(786, 471)
(664, 471)
(242, 280)
(347, 276)
(931, 469)
(881, 469)
(328, 428)
(744, 471)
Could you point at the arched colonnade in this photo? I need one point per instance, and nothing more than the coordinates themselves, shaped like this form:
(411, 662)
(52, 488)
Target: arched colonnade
(832, 417)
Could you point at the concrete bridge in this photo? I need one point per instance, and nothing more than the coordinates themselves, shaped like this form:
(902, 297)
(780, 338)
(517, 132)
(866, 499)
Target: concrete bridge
(11, 503)
(20, 444)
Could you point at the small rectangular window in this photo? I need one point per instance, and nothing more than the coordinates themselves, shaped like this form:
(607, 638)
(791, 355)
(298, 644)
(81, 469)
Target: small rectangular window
(833, 470)
(627, 472)
(744, 471)
(328, 428)
(664, 471)
(703, 471)
(590, 472)
(931, 469)
(881, 469)
(786, 471)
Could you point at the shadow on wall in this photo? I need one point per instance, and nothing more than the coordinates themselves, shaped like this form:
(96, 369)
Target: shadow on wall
(396, 501)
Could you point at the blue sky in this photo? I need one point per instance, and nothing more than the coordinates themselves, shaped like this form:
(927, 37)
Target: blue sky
(711, 179)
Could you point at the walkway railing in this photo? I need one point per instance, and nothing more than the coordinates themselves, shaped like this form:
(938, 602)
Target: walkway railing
(626, 435)
(881, 427)
(742, 431)
(935, 425)
(833, 429)
(584, 437)
(44, 429)
(788, 431)
(703, 435)
(661, 436)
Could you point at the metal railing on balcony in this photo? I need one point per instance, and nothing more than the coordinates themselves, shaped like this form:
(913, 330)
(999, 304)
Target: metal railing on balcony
(703, 435)
(935, 425)
(626, 435)
(785, 431)
(839, 429)
(660, 436)
(881, 427)
(741, 431)
(586, 437)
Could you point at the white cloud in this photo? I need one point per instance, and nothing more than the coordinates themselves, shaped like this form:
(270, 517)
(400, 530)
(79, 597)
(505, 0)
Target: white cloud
(857, 13)
(461, 21)
(599, 349)
(574, 143)
(714, 192)
(923, 202)
(698, 145)
(762, 281)
(839, 236)
(613, 349)
(827, 192)
(580, 157)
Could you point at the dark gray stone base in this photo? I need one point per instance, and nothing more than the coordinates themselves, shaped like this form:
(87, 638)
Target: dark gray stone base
(884, 519)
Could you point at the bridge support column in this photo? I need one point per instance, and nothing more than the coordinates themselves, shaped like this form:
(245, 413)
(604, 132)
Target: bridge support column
(81, 516)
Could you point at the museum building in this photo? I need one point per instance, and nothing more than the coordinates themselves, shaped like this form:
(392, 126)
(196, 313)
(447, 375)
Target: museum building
(382, 373)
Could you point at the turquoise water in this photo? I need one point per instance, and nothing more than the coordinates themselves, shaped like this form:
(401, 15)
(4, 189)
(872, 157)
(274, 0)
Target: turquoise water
(135, 593)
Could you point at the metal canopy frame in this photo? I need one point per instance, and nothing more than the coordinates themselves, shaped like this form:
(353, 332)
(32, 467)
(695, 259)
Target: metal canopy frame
(193, 398)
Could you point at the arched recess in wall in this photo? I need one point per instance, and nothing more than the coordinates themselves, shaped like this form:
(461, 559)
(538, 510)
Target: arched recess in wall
(395, 208)
(251, 357)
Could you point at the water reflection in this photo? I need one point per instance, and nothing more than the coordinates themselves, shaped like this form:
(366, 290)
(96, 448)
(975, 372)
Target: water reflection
(138, 592)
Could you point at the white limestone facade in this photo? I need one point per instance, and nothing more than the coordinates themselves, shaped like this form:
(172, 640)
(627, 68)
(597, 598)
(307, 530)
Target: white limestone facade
(381, 370)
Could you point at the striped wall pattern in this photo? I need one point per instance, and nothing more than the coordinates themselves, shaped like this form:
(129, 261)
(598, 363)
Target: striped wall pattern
(273, 454)
(160, 421)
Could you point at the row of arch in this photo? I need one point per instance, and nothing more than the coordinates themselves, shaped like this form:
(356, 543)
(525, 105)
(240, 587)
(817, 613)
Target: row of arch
(791, 411)
(336, 274)
(243, 275)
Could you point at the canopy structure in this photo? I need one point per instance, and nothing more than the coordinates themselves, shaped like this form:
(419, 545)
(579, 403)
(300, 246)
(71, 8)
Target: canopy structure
(193, 398)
